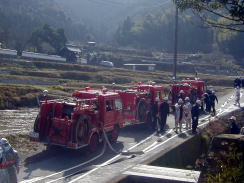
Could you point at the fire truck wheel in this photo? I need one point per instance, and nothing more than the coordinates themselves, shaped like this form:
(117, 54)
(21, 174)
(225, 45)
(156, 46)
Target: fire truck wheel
(36, 124)
(114, 135)
(52, 147)
(94, 142)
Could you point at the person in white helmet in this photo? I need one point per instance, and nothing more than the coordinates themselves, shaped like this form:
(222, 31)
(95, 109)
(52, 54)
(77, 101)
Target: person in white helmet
(213, 98)
(10, 161)
(155, 117)
(195, 112)
(181, 95)
(237, 96)
(242, 131)
(164, 112)
(187, 112)
(3, 171)
(178, 115)
(234, 129)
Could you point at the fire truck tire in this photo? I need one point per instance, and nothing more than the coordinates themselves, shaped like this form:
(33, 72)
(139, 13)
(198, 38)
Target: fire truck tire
(141, 110)
(52, 147)
(79, 130)
(113, 136)
(94, 142)
(36, 124)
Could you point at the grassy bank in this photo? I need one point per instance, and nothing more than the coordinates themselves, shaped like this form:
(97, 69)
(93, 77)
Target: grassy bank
(225, 165)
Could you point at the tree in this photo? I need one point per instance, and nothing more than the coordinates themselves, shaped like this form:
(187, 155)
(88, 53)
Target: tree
(124, 32)
(156, 30)
(54, 37)
(226, 14)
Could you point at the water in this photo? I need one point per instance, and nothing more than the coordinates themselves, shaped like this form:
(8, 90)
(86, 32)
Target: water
(17, 121)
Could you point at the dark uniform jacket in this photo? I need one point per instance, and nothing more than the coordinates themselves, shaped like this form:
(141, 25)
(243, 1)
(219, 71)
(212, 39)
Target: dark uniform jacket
(212, 98)
(154, 109)
(234, 128)
(195, 111)
(237, 82)
(164, 109)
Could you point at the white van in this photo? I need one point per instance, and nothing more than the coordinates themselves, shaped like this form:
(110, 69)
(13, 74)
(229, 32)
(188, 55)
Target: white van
(107, 63)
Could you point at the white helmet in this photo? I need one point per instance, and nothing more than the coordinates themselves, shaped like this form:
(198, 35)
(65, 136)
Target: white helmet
(187, 99)
(5, 144)
(199, 102)
(180, 101)
(213, 92)
(233, 118)
(166, 99)
(45, 92)
(181, 91)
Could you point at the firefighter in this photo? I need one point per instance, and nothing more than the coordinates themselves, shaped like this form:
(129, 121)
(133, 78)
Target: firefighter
(195, 112)
(3, 172)
(164, 112)
(10, 161)
(237, 82)
(237, 96)
(207, 102)
(154, 108)
(242, 131)
(181, 95)
(178, 115)
(213, 98)
(187, 112)
(233, 127)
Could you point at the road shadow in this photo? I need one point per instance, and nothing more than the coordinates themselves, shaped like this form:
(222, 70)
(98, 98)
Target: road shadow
(136, 132)
(182, 135)
(59, 159)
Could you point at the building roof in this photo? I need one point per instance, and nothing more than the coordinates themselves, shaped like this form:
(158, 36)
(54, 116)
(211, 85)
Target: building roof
(73, 48)
(140, 64)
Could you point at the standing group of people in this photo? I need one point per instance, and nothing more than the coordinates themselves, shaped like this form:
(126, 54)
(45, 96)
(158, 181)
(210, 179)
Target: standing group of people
(187, 113)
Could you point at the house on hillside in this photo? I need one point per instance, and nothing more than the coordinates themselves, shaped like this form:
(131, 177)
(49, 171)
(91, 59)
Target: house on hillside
(70, 52)
(143, 67)
(91, 44)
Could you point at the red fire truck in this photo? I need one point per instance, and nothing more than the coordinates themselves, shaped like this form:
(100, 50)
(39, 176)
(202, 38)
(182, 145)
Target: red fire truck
(81, 122)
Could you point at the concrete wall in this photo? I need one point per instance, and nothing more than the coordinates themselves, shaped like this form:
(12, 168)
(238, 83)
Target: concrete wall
(183, 155)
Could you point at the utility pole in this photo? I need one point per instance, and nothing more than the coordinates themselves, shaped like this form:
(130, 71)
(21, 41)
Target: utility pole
(176, 43)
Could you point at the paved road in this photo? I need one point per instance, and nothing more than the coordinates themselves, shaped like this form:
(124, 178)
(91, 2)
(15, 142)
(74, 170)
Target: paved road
(137, 139)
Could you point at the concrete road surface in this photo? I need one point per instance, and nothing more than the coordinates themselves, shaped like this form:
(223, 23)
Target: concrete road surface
(61, 164)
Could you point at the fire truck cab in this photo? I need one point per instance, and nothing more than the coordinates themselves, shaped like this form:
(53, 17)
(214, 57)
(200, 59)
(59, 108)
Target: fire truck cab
(81, 122)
